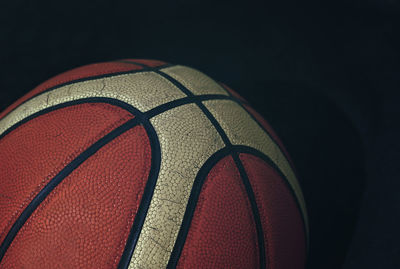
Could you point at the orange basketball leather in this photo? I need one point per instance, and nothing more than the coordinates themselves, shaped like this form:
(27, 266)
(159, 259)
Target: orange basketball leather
(91, 70)
(86, 220)
(143, 164)
(35, 152)
(282, 223)
(222, 233)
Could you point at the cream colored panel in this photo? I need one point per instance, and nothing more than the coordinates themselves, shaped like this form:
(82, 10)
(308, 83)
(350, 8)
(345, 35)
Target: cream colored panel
(195, 81)
(187, 139)
(144, 91)
(241, 129)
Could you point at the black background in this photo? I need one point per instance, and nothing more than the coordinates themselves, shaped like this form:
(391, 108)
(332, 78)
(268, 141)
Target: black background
(325, 75)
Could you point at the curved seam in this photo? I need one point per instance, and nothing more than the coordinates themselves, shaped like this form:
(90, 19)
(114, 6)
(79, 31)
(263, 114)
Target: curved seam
(39, 186)
(146, 197)
(193, 199)
(148, 114)
(132, 214)
(110, 101)
(254, 207)
(227, 142)
(197, 186)
(90, 78)
(183, 101)
(291, 165)
(66, 171)
(265, 158)
(240, 103)
(192, 203)
(139, 118)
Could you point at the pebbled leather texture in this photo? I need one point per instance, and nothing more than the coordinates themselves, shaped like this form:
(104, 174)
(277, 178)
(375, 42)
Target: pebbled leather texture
(222, 232)
(281, 219)
(165, 167)
(35, 152)
(86, 219)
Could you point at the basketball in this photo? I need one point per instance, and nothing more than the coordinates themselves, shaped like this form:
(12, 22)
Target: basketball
(145, 164)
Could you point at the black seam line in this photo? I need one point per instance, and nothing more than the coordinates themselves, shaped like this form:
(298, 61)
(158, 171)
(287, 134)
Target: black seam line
(180, 86)
(183, 101)
(270, 162)
(195, 193)
(220, 130)
(146, 198)
(146, 69)
(111, 101)
(166, 76)
(291, 167)
(175, 82)
(254, 208)
(208, 114)
(197, 186)
(270, 136)
(146, 115)
(216, 124)
(227, 142)
(192, 203)
(183, 88)
(54, 182)
(224, 137)
(241, 104)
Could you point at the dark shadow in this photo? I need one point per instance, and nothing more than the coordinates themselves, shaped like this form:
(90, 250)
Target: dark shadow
(328, 154)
